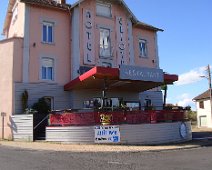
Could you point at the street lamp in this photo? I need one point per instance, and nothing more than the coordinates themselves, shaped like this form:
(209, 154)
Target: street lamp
(208, 77)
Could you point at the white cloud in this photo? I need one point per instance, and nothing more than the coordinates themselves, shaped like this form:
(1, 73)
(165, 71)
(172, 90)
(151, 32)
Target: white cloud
(191, 77)
(185, 100)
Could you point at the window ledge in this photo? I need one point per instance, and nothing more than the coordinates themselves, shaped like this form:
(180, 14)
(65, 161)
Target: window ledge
(107, 17)
(106, 57)
(46, 81)
(144, 57)
(47, 43)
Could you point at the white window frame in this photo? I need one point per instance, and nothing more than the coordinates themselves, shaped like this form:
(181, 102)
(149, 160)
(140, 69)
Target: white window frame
(102, 45)
(47, 24)
(106, 64)
(143, 52)
(53, 70)
(103, 5)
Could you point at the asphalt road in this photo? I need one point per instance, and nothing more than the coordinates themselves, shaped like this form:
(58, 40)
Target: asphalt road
(20, 159)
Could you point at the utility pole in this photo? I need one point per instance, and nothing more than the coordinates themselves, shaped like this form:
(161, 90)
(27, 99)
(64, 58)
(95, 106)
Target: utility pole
(210, 90)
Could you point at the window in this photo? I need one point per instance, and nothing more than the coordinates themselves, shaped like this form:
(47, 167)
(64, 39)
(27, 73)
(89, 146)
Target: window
(106, 64)
(103, 10)
(148, 102)
(47, 36)
(105, 48)
(201, 104)
(58, 1)
(143, 48)
(47, 69)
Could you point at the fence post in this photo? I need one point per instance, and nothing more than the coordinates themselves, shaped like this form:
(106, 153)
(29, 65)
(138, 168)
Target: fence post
(2, 116)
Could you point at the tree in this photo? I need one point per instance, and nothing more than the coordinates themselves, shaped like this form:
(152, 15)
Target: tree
(41, 106)
(24, 99)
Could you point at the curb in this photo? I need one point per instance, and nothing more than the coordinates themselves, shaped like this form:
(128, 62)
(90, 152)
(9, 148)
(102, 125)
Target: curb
(45, 146)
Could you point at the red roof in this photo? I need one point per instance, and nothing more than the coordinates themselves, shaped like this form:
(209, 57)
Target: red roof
(205, 95)
(98, 76)
(48, 3)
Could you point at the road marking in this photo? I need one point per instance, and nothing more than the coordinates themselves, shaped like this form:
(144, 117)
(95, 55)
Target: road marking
(118, 163)
(114, 162)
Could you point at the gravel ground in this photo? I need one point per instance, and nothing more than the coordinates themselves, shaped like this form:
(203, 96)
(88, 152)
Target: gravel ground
(103, 148)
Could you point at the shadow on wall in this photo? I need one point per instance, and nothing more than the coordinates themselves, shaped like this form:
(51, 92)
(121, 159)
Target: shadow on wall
(12, 126)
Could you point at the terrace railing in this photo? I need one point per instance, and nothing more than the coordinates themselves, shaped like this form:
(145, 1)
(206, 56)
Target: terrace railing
(65, 118)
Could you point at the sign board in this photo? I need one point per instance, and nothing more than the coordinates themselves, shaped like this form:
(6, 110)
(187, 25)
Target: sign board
(3, 114)
(107, 134)
(88, 37)
(141, 73)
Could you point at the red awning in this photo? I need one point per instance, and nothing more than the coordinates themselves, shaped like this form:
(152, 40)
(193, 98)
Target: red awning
(97, 77)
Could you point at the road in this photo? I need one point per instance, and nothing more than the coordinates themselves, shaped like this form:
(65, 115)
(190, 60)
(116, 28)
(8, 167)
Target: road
(21, 159)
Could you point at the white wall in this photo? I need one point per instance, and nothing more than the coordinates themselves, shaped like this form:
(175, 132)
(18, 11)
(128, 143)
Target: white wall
(204, 112)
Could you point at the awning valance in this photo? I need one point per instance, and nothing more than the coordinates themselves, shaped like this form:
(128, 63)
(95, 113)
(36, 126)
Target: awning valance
(100, 78)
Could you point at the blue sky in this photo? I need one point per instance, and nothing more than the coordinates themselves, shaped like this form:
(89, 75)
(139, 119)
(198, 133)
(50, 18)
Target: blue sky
(185, 46)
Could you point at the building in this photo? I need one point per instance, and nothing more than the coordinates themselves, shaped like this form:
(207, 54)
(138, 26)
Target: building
(204, 113)
(73, 55)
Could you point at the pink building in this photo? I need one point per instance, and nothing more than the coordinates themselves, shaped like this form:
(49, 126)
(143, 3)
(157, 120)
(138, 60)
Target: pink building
(72, 55)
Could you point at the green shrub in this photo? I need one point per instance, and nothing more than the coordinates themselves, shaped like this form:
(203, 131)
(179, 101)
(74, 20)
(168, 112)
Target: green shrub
(41, 106)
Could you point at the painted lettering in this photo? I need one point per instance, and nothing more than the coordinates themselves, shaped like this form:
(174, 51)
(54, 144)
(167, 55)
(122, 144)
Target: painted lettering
(88, 25)
(89, 35)
(121, 42)
(121, 46)
(88, 14)
(112, 133)
(89, 46)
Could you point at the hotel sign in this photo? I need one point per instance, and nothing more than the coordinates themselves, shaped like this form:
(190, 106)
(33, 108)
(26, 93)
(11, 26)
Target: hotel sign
(88, 37)
(121, 40)
(141, 73)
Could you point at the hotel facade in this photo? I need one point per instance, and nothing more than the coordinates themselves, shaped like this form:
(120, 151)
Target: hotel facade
(74, 55)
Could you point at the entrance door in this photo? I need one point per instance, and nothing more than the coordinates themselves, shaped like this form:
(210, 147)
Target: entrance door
(203, 121)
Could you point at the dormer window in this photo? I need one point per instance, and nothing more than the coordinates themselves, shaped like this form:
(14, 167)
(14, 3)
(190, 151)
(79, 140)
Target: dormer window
(103, 10)
(57, 1)
(105, 47)
(143, 48)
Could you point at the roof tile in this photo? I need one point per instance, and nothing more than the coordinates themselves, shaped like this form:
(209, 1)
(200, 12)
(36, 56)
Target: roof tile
(204, 95)
(48, 3)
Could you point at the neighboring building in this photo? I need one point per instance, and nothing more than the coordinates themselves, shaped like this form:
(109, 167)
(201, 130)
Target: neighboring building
(49, 45)
(204, 113)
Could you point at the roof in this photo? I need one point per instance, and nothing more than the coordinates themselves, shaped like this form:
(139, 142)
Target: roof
(147, 26)
(44, 3)
(205, 95)
(8, 17)
(116, 1)
(133, 17)
(47, 3)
